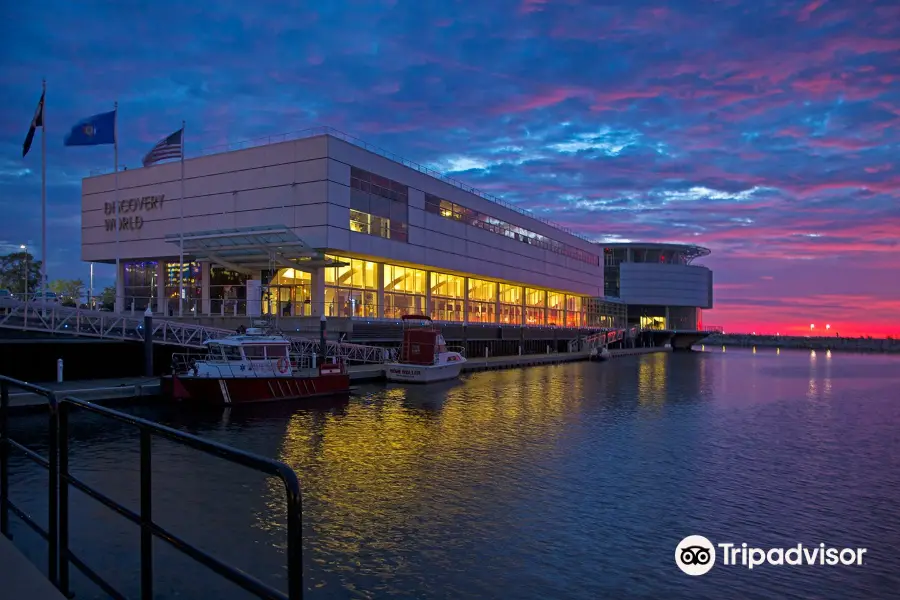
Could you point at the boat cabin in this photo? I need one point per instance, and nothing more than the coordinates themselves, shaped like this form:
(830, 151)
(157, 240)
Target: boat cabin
(251, 354)
(422, 341)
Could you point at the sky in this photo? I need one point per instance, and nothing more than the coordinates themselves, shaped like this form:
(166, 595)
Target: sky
(765, 130)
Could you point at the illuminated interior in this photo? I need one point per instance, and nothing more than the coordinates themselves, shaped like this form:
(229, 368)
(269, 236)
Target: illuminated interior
(288, 293)
(404, 291)
(653, 322)
(535, 306)
(482, 301)
(351, 290)
(448, 297)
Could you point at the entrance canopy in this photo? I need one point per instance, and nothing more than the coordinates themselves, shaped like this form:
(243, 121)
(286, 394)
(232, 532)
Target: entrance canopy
(246, 249)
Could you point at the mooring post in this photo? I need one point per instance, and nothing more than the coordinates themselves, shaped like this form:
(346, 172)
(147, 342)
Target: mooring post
(59, 370)
(148, 342)
(323, 349)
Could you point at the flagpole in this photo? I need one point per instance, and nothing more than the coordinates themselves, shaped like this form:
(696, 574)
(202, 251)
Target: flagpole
(43, 193)
(181, 240)
(120, 300)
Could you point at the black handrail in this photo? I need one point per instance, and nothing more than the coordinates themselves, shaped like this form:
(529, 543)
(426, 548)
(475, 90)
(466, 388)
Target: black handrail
(61, 556)
(51, 463)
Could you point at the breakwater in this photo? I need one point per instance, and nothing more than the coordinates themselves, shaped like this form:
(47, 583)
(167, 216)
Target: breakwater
(845, 344)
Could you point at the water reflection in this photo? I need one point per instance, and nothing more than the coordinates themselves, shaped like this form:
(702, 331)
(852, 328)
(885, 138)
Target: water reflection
(570, 481)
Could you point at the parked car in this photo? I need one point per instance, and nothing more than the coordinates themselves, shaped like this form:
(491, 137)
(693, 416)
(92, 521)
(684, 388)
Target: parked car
(5, 294)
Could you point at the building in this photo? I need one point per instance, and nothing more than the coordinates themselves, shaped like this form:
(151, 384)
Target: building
(659, 283)
(325, 224)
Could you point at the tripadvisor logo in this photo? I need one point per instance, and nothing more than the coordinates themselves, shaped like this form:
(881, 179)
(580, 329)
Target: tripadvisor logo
(696, 555)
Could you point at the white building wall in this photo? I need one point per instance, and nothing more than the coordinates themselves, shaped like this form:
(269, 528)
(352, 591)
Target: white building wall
(304, 184)
(453, 246)
(280, 184)
(665, 284)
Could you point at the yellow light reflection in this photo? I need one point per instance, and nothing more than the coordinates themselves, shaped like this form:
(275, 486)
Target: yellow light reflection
(375, 455)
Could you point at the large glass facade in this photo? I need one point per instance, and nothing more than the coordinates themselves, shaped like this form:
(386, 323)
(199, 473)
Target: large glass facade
(404, 291)
(140, 284)
(510, 304)
(535, 306)
(573, 311)
(451, 210)
(351, 290)
(556, 304)
(448, 296)
(227, 291)
(192, 285)
(287, 292)
(378, 205)
(482, 301)
(612, 257)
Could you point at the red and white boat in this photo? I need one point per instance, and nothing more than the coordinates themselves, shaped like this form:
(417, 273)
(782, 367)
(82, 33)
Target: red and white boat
(252, 367)
(424, 355)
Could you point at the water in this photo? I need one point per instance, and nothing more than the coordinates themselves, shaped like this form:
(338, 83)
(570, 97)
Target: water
(573, 481)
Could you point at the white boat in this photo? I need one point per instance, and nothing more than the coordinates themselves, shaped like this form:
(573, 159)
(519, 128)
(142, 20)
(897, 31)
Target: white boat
(424, 355)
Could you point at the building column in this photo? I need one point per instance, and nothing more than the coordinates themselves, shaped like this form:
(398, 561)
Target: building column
(204, 287)
(120, 287)
(496, 302)
(667, 318)
(161, 287)
(317, 292)
(379, 291)
(522, 319)
(465, 300)
(546, 308)
(427, 293)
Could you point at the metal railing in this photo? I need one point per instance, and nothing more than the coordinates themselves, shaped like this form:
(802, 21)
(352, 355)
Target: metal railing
(350, 139)
(54, 318)
(50, 463)
(61, 556)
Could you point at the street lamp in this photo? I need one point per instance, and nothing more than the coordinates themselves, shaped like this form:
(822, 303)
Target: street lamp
(811, 327)
(24, 249)
(827, 327)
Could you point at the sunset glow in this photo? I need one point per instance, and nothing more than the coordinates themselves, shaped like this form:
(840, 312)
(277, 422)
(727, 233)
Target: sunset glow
(767, 131)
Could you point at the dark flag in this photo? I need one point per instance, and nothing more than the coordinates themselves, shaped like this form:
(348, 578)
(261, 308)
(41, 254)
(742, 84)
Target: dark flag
(169, 147)
(37, 121)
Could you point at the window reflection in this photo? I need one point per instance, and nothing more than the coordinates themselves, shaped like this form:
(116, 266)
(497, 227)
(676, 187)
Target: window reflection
(451, 210)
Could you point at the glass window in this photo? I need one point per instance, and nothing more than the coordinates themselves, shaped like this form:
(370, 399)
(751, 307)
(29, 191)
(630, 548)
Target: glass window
(481, 290)
(454, 211)
(573, 311)
(510, 294)
(555, 306)
(535, 297)
(448, 286)
(141, 285)
(254, 352)
(404, 279)
(232, 352)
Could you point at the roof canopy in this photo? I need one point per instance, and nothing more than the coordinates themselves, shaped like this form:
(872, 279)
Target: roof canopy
(245, 249)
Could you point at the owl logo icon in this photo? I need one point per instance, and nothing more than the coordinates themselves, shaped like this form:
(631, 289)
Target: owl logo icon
(89, 130)
(695, 555)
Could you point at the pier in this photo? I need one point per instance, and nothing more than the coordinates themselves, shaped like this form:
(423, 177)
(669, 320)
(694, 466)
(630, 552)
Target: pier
(127, 390)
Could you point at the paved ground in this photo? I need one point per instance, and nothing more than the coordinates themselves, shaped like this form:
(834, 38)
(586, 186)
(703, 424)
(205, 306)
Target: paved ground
(20, 578)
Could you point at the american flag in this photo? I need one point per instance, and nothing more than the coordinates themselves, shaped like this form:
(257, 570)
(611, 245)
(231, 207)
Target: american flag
(169, 147)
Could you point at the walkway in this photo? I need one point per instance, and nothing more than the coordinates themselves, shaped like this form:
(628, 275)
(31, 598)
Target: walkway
(20, 578)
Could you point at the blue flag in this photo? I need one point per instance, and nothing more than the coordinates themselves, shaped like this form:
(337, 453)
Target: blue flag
(93, 131)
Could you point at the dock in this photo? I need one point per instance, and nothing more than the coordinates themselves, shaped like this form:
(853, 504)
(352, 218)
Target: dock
(129, 389)
(21, 578)
(92, 390)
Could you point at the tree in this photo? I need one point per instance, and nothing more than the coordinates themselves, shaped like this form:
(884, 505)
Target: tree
(69, 291)
(107, 298)
(16, 269)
